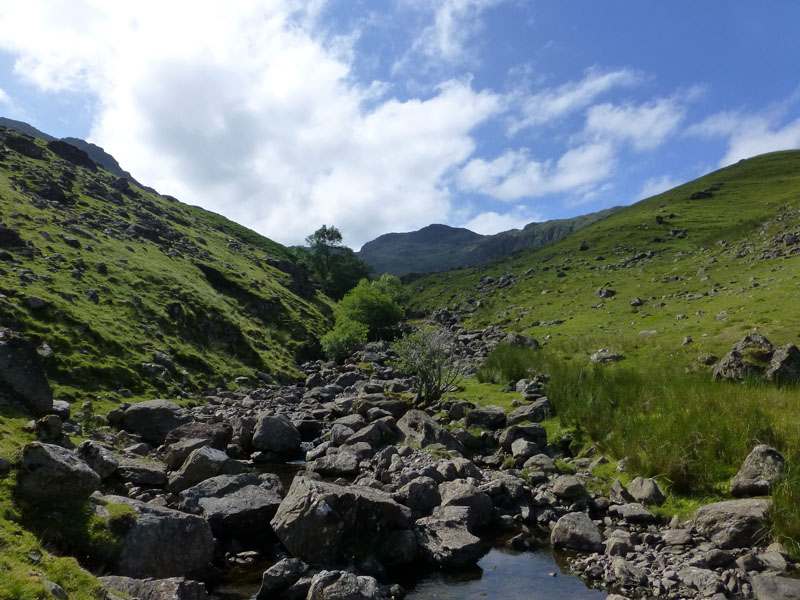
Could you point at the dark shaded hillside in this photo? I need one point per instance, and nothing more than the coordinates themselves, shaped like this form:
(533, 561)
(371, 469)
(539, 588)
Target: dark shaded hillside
(124, 288)
(441, 247)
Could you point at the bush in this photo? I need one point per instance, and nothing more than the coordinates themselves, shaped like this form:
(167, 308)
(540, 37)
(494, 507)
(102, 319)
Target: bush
(345, 337)
(368, 305)
(507, 363)
(392, 287)
(427, 355)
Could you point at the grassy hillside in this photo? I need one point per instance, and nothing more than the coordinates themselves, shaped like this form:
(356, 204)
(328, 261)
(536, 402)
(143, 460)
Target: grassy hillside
(106, 274)
(689, 278)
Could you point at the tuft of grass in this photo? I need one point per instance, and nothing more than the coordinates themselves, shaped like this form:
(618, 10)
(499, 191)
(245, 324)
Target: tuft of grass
(506, 363)
(786, 510)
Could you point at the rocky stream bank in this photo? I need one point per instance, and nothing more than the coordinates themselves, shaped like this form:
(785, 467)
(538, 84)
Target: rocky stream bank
(376, 487)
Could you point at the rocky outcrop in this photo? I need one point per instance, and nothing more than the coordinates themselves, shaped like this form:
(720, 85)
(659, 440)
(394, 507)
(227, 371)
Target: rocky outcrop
(762, 468)
(418, 428)
(173, 588)
(445, 540)
(755, 356)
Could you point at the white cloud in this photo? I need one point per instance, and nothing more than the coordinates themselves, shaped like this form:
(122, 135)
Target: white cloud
(5, 98)
(645, 126)
(246, 112)
(514, 175)
(490, 222)
(656, 185)
(552, 104)
(749, 134)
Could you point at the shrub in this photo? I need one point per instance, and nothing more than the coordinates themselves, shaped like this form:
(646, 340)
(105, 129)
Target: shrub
(392, 287)
(345, 337)
(368, 305)
(506, 363)
(428, 356)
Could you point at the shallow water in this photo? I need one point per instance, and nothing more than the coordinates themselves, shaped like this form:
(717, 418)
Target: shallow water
(506, 575)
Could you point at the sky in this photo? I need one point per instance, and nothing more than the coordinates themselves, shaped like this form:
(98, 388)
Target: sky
(380, 116)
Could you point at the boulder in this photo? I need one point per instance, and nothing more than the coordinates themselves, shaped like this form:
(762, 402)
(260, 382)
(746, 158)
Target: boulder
(531, 432)
(154, 419)
(100, 459)
(535, 412)
(569, 487)
(218, 434)
(488, 417)
(646, 491)
(277, 435)
(176, 453)
(576, 531)
(619, 494)
(147, 473)
(280, 576)
(343, 585)
(201, 464)
(734, 523)
(320, 522)
(421, 495)
(775, 587)
(338, 464)
(632, 513)
(461, 493)
(604, 356)
(51, 473)
(236, 505)
(416, 427)
(749, 357)
(784, 365)
(21, 369)
(762, 467)
(444, 539)
(161, 542)
(174, 588)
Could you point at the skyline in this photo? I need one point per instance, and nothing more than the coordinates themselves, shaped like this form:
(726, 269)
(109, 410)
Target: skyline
(485, 114)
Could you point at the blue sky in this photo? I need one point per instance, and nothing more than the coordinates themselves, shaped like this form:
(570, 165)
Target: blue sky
(388, 115)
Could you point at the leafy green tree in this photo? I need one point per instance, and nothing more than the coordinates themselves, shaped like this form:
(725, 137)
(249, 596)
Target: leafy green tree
(346, 271)
(321, 244)
(367, 304)
(392, 287)
(333, 265)
(429, 357)
(345, 337)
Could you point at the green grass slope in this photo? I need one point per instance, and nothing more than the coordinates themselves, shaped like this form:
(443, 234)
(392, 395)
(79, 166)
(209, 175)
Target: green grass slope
(109, 273)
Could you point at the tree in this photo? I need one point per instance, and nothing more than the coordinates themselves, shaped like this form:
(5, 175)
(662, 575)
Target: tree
(392, 287)
(345, 337)
(334, 266)
(367, 304)
(321, 244)
(429, 357)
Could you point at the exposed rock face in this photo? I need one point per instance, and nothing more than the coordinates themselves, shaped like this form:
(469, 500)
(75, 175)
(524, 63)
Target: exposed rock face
(755, 356)
(445, 540)
(318, 521)
(162, 542)
(762, 467)
(734, 523)
(576, 531)
(51, 473)
(418, 428)
(236, 505)
(72, 154)
(276, 434)
(174, 588)
(154, 419)
(21, 369)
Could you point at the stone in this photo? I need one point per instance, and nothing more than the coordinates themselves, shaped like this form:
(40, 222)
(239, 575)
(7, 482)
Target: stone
(775, 587)
(445, 541)
(161, 542)
(339, 464)
(704, 581)
(734, 523)
(100, 459)
(619, 494)
(749, 357)
(569, 487)
(461, 493)
(343, 585)
(201, 464)
(531, 432)
(218, 435)
(784, 366)
(604, 356)
(50, 473)
(541, 462)
(416, 427)
(280, 577)
(535, 412)
(147, 473)
(318, 520)
(523, 449)
(421, 495)
(632, 513)
(277, 434)
(576, 531)
(21, 369)
(517, 339)
(154, 419)
(605, 293)
(176, 453)
(487, 417)
(646, 491)
(762, 467)
(173, 588)
(626, 574)
(236, 505)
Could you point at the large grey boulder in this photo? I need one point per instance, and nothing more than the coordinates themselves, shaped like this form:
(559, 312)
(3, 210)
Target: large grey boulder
(202, 464)
(21, 369)
(461, 493)
(444, 539)
(531, 432)
(762, 467)
(421, 495)
(161, 542)
(418, 428)
(319, 521)
(147, 473)
(276, 434)
(749, 357)
(646, 491)
(279, 577)
(343, 585)
(236, 505)
(775, 587)
(487, 417)
(576, 531)
(784, 366)
(218, 435)
(100, 459)
(535, 412)
(51, 473)
(734, 523)
(569, 487)
(154, 419)
(174, 588)
(338, 464)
